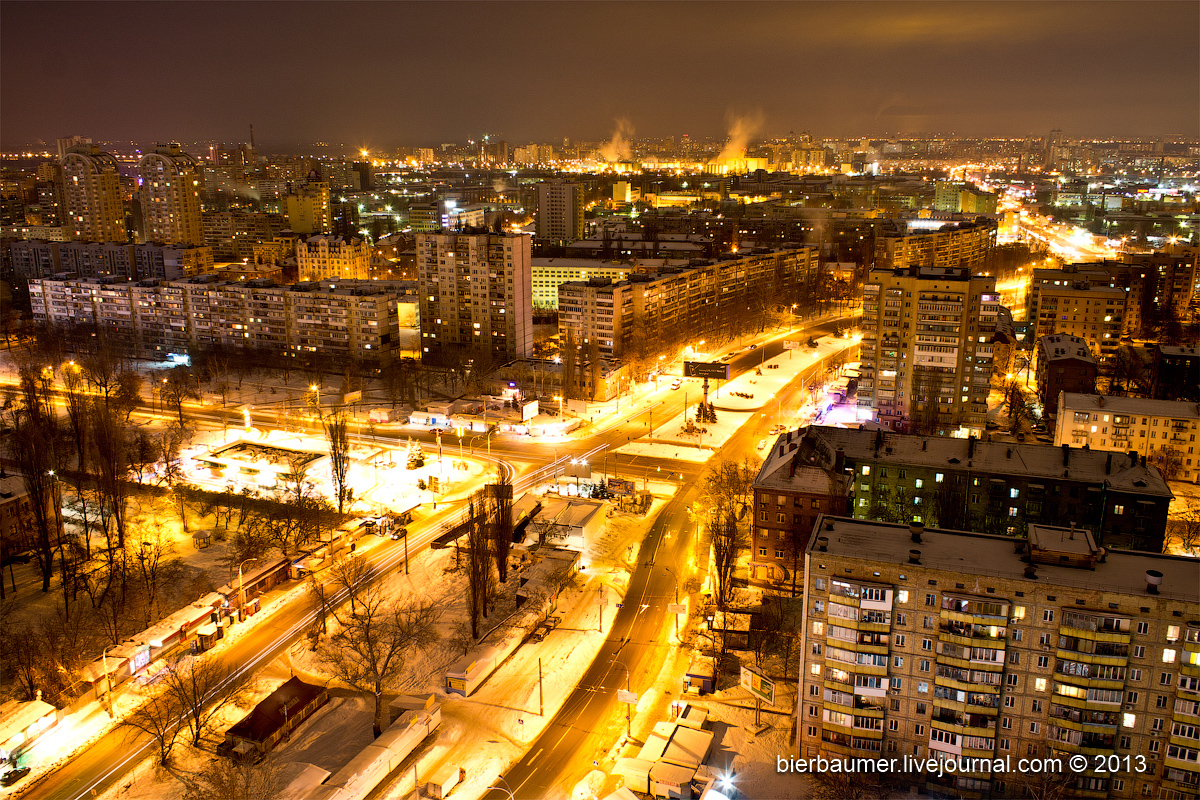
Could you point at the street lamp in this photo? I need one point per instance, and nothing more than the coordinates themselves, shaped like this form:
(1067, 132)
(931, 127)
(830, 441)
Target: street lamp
(628, 710)
(676, 577)
(558, 397)
(108, 681)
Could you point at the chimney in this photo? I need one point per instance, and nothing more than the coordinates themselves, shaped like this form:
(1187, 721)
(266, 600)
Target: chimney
(924, 444)
(792, 471)
(822, 544)
(915, 530)
(1143, 461)
(1072, 536)
(1031, 572)
(971, 446)
(1008, 453)
(789, 436)
(1153, 581)
(828, 524)
(1066, 454)
(914, 556)
(1100, 401)
(1108, 465)
(839, 460)
(1133, 457)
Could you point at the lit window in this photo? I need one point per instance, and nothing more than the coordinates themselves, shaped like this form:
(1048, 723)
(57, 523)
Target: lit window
(1168, 656)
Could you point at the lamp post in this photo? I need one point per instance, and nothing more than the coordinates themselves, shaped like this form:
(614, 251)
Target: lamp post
(558, 397)
(676, 577)
(628, 710)
(241, 587)
(108, 681)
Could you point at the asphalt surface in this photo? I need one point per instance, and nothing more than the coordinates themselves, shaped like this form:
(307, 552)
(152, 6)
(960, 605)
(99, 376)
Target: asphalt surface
(582, 731)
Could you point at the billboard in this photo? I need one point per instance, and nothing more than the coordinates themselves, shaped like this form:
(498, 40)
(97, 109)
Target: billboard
(706, 369)
(790, 344)
(529, 410)
(762, 688)
(619, 487)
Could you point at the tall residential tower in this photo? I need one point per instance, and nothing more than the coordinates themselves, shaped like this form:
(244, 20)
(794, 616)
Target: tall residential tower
(92, 191)
(170, 195)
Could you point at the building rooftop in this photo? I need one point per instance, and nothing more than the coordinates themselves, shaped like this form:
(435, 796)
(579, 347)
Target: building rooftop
(976, 554)
(1171, 350)
(1177, 409)
(1062, 347)
(1115, 469)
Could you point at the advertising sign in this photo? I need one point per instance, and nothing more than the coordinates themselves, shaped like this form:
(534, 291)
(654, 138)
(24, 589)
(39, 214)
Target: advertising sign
(619, 487)
(529, 410)
(352, 397)
(789, 344)
(757, 685)
(706, 369)
(627, 697)
(676, 608)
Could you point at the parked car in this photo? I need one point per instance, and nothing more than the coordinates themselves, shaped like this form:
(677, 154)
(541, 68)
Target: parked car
(676, 384)
(753, 347)
(13, 775)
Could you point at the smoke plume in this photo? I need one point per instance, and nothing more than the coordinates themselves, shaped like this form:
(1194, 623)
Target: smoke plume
(741, 128)
(618, 148)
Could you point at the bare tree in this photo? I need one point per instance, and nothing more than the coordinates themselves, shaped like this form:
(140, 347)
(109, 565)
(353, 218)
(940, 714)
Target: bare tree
(339, 456)
(110, 458)
(152, 548)
(33, 448)
(128, 393)
(235, 779)
(158, 717)
(729, 540)
(480, 578)
(197, 685)
(375, 641)
(1186, 529)
(177, 389)
(1017, 409)
(501, 495)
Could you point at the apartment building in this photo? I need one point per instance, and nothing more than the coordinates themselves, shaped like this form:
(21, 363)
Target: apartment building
(961, 647)
(674, 303)
(1176, 373)
(170, 197)
(997, 487)
(476, 295)
(942, 244)
(550, 273)
(559, 212)
(92, 194)
(927, 348)
(1163, 432)
(793, 487)
(343, 319)
(1094, 312)
(40, 259)
(307, 208)
(233, 234)
(320, 258)
(1064, 364)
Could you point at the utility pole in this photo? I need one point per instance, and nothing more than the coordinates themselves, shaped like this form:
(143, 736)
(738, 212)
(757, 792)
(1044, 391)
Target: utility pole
(541, 706)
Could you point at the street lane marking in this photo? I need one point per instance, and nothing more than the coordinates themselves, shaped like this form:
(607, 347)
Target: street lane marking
(533, 757)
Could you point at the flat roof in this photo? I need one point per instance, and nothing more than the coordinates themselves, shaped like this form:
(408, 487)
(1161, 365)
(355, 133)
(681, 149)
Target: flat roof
(1140, 406)
(997, 458)
(967, 554)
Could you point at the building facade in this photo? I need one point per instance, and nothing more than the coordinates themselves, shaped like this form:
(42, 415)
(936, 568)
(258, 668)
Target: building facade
(476, 295)
(343, 319)
(939, 244)
(955, 646)
(170, 197)
(996, 487)
(41, 259)
(674, 303)
(927, 345)
(1176, 373)
(550, 273)
(1163, 432)
(559, 212)
(307, 208)
(1064, 364)
(320, 258)
(1094, 312)
(92, 194)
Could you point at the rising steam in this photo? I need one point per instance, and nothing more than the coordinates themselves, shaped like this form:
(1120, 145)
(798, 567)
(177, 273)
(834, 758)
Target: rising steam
(618, 147)
(741, 129)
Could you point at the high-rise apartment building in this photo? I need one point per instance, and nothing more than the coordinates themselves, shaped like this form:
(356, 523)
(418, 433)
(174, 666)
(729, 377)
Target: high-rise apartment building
(934, 243)
(927, 348)
(476, 295)
(92, 193)
(559, 212)
(321, 258)
(307, 208)
(974, 649)
(1094, 312)
(170, 195)
(34, 258)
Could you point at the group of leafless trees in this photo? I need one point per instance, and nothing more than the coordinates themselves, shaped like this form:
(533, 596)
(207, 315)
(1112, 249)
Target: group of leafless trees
(184, 700)
(489, 535)
(729, 497)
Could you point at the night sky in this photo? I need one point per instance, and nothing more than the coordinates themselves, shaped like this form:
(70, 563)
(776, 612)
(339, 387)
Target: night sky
(385, 74)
